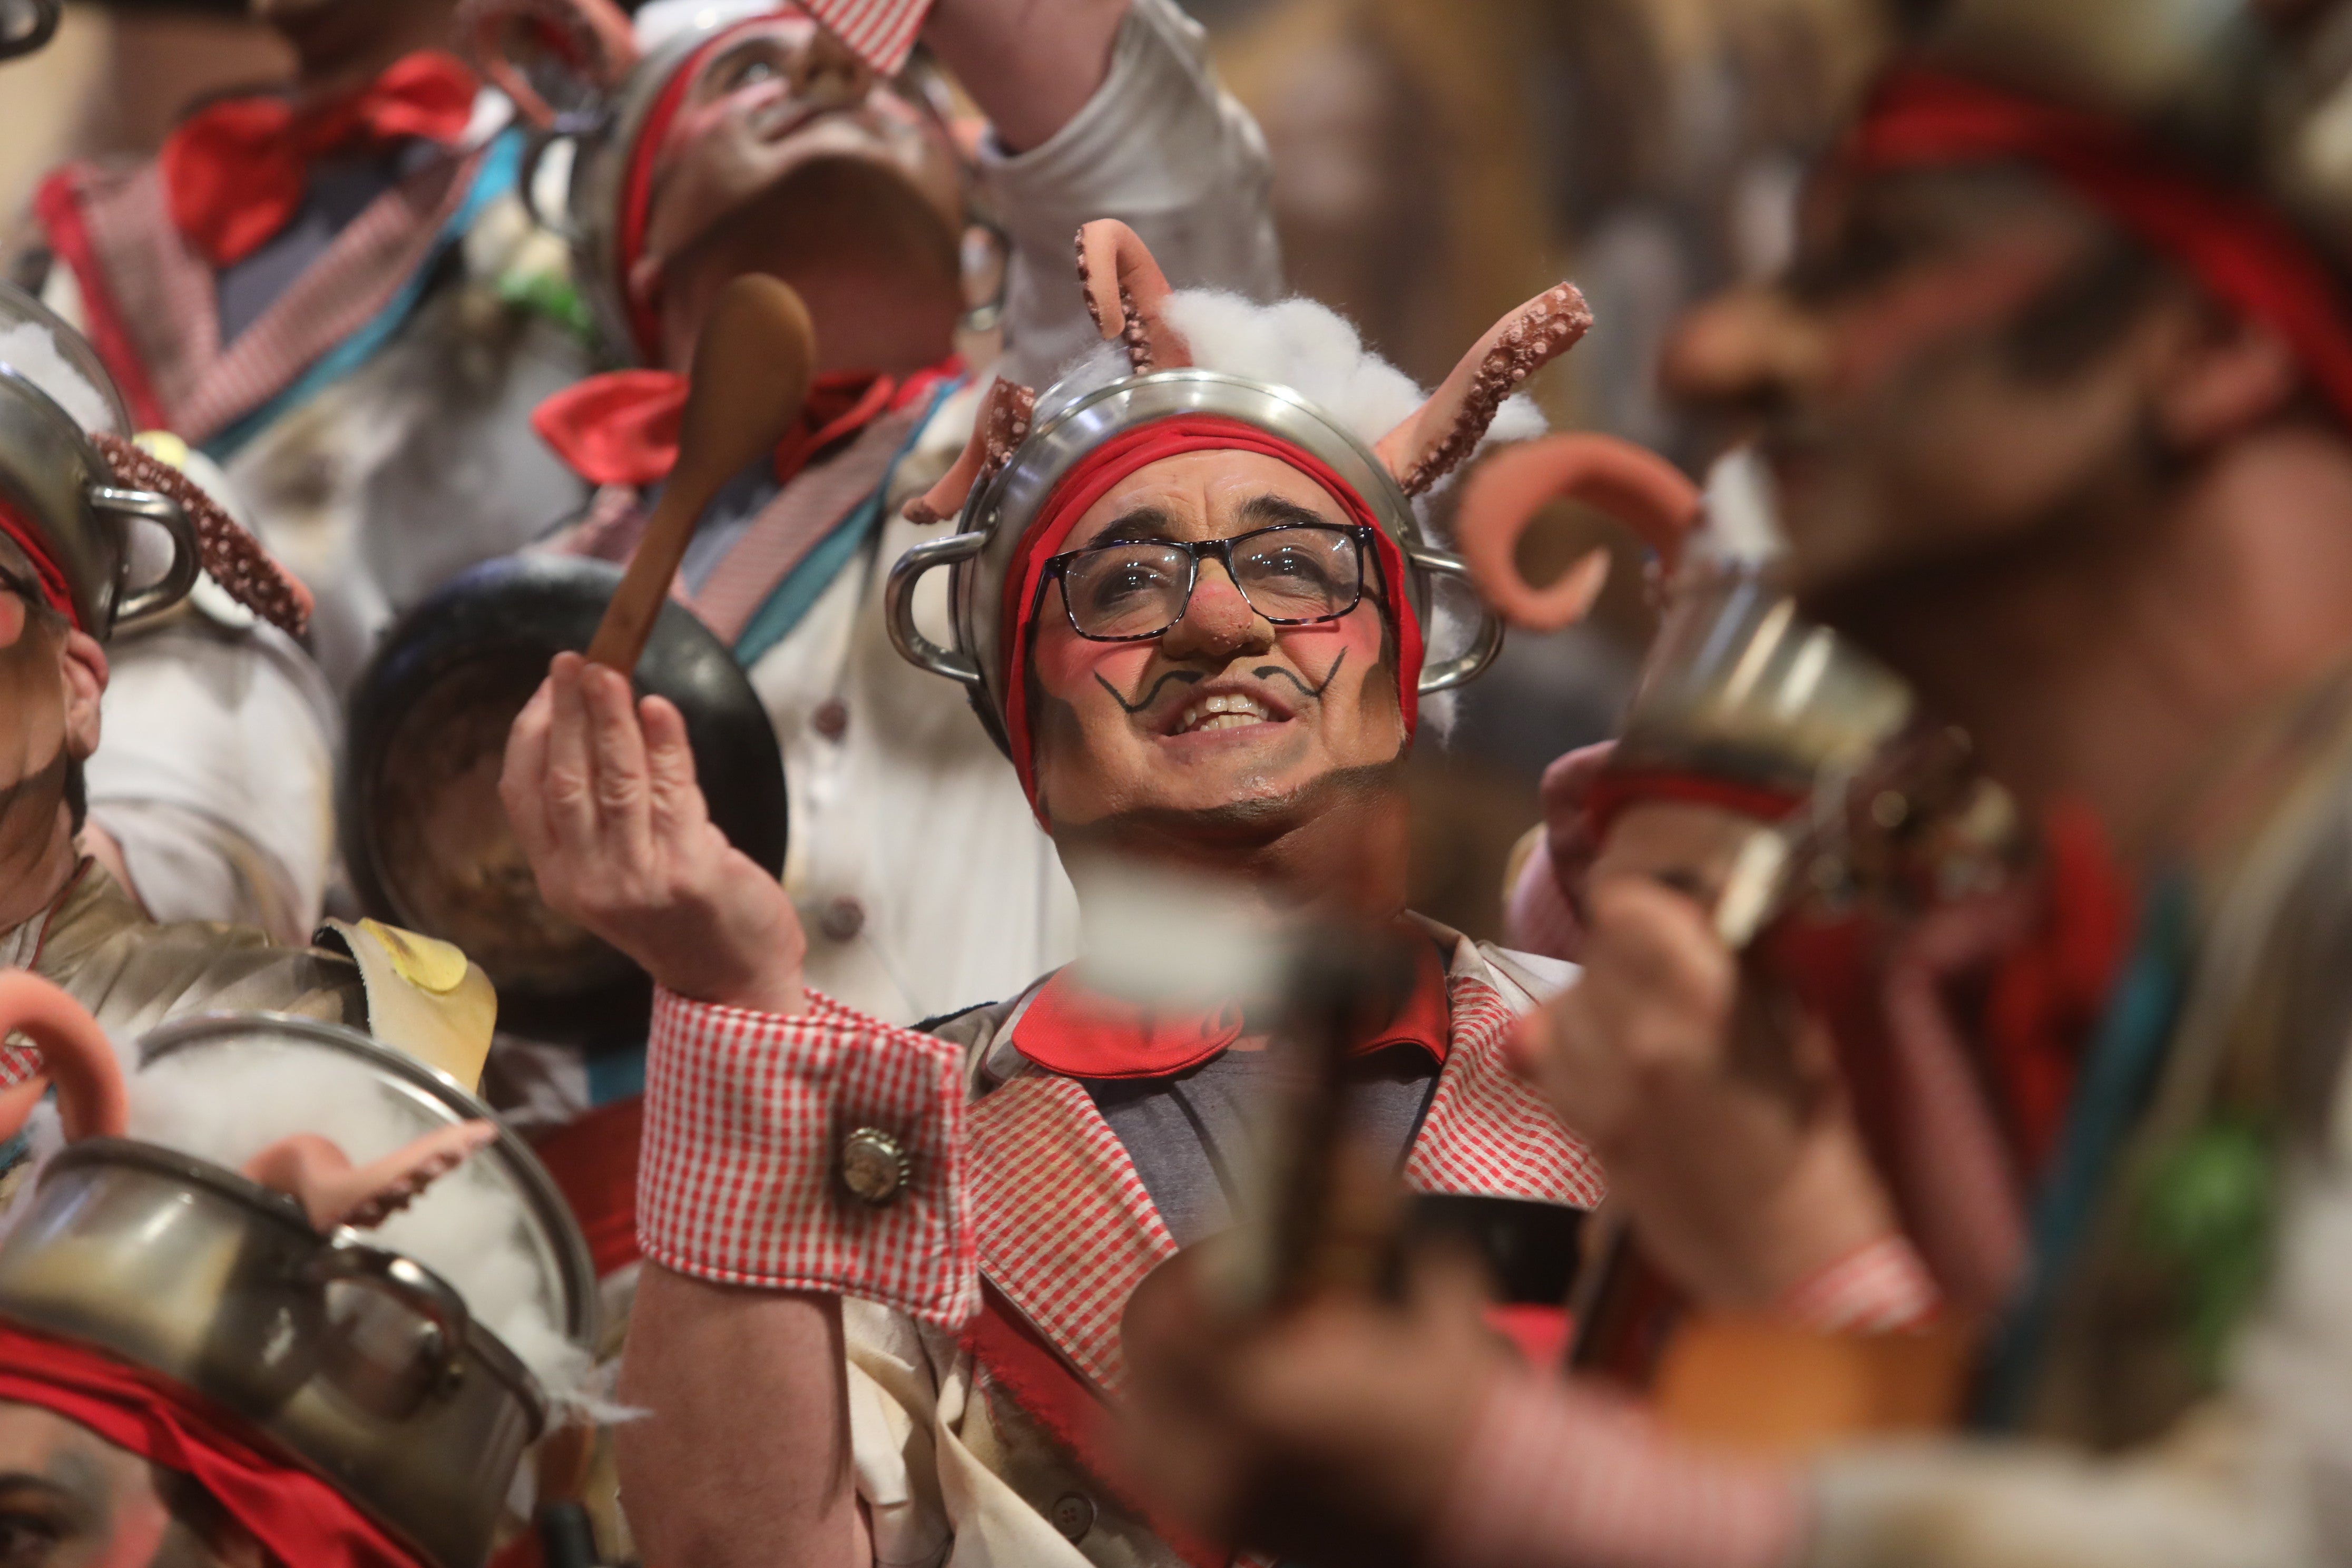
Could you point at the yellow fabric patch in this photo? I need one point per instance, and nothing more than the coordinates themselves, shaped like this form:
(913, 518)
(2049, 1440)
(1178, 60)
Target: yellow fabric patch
(428, 964)
(163, 446)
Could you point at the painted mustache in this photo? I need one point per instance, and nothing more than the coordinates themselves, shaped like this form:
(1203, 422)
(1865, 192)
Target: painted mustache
(1268, 672)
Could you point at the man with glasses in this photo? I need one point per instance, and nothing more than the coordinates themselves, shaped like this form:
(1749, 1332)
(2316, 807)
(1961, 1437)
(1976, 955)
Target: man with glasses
(1195, 610)
(746, 138)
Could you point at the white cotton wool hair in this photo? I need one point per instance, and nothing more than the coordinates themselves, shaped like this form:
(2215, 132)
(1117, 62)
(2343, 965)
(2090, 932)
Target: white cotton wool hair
(30, 349)
(1312, 350)
(469, 1228)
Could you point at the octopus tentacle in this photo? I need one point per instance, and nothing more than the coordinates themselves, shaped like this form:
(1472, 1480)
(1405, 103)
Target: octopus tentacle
(1002, 425)
(232, 557)
(1632, 484)
(1434, 439)
(1126, 294)
(75, 1055)
(334, 1192)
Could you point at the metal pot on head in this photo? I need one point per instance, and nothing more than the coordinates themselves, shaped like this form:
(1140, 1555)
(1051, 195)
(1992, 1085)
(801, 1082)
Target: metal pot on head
(269, 1292)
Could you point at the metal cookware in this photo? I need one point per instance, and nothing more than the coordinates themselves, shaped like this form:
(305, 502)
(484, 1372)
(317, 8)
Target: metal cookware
(51, 473)
(351, 1355)
(423, 834)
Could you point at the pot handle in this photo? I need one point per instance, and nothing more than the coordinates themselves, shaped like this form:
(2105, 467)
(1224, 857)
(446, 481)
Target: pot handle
(899, 606)
(406, 1280)
(1470, 665)
(187, 558)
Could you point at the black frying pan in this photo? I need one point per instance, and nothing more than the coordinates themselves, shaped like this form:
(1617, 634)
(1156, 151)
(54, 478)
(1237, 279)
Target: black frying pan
(423, 838)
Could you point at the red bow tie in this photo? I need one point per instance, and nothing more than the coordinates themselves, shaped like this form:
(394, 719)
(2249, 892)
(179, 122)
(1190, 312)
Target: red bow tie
(235, 173)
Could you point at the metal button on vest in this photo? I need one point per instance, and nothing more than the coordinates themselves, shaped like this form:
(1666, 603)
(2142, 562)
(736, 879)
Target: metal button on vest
(842, 918)
(831, 719)
(873, 1166)
(1074, 1515)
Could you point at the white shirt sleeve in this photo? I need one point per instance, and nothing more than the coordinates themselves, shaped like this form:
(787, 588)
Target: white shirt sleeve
(214, 772)
(1161, 147)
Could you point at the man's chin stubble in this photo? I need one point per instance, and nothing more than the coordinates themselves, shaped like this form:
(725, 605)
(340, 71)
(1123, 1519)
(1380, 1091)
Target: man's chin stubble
(1239, 827)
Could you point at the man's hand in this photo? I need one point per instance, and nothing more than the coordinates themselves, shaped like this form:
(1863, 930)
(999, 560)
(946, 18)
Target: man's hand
(1332, 1432)
(1714, 1105)
(602, 794)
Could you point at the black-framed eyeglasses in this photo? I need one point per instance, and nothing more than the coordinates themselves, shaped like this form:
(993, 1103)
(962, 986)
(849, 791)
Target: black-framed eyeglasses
(1295, 575)
(22, 586)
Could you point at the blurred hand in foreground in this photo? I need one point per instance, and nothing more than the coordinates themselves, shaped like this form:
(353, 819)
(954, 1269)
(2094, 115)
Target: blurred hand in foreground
(1713, 1101)
(601, 793)
(1331, 1432)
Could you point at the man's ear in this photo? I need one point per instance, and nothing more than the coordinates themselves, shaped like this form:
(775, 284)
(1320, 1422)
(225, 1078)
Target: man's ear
(2229, 375)
(82, 662)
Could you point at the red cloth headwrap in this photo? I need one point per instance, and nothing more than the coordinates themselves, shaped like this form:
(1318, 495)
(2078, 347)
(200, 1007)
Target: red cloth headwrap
(298, 1517)
(1114, 459)
(2243, 250)
(638, 185)
(48, 571)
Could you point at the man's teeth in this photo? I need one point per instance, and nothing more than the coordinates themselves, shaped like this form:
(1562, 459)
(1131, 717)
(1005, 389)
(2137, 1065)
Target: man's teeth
(1224, 712)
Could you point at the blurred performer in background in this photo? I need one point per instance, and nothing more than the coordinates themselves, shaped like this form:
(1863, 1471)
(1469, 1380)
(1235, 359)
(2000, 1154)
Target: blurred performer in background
(333, 292)
(2056, 397)
(1202, 622)
(754, 139)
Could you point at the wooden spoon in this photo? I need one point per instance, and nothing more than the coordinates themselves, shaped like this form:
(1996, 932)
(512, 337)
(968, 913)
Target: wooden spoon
(752, 367)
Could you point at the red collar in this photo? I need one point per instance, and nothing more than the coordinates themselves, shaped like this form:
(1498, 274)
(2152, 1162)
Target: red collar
(1079, 1033)
(235, 173)
(621, 429)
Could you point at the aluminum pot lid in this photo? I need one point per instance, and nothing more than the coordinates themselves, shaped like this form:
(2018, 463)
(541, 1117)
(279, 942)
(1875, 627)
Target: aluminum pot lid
(41, 346)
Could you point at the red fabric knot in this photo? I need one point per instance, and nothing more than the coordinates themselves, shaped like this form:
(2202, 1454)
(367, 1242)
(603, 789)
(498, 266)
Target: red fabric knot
(621, 428)
(296, 1518)
(1080, 1032)
(1094, 475)
(235, 173)
(2241, 247)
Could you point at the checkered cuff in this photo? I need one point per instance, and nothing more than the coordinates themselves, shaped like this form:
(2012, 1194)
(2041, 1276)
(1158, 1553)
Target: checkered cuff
(746, 1115)
(1558, 1476)
(879, 32)
(1879, 1287)
(17, 1063)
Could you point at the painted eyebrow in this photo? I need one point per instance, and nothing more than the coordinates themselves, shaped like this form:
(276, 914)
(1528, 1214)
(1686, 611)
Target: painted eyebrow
(1274, 511)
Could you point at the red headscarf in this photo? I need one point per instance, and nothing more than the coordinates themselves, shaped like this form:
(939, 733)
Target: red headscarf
(298, 1517)
(1114, 460)
(48, 571)
(2240, 248)
(637, 181)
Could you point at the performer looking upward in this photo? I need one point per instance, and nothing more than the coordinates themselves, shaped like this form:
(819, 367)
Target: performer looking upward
(1202, 627)
(755, 138)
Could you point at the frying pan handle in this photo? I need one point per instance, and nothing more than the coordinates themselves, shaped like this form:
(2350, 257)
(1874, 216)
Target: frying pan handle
(406, 1281)
(1472, 664)
(187, 560)
(899, 606)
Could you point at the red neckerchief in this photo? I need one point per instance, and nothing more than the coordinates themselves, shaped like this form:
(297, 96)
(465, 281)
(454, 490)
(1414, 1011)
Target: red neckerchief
(296, 1516)
(1079, 1033)
(621, 429)
(235, 173)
